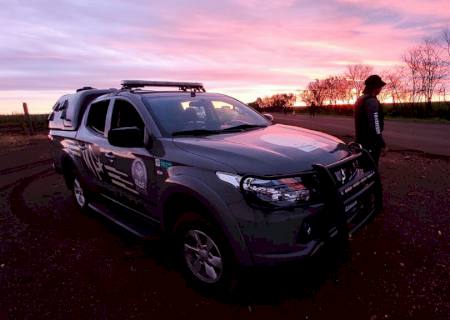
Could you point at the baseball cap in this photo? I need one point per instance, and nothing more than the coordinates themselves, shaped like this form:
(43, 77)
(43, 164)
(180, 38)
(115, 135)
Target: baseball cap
(374, 81)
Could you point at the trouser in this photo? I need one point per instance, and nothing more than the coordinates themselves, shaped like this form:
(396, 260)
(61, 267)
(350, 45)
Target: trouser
(374, 151)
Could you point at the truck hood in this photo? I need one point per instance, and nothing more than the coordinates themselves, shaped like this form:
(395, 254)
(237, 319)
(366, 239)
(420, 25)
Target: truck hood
(274, 150)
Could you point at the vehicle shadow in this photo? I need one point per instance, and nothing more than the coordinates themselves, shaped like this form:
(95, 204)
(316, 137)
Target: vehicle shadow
(300, 280)
(270, 285)
(258, 286)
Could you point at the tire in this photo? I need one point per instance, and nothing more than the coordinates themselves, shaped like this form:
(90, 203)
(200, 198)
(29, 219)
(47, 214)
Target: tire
(80, 194)
(204, 255)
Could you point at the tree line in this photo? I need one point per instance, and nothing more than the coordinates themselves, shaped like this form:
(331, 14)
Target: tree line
(420, 78)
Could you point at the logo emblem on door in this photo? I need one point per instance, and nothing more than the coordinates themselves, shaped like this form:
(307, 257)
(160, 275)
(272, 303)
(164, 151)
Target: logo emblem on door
(139, 174)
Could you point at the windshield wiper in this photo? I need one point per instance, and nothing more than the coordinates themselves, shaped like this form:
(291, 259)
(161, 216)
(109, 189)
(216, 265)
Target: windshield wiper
(196, 132)
(244, 126)
(201, 132)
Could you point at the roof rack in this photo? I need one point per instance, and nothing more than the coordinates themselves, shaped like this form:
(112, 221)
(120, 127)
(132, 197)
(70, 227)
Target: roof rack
(183, 86)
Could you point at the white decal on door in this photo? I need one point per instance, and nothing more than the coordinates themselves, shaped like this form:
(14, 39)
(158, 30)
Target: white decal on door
(92, 162)
(139, 174)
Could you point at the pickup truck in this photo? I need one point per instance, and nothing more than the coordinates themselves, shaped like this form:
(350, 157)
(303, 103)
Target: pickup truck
(229, 188)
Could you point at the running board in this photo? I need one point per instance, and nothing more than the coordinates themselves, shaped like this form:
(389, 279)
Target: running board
(137, 227)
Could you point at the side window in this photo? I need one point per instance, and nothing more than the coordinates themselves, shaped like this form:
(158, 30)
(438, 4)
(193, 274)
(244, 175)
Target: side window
(125, 115)
(97, 116)
(56, 106)
(63, 107)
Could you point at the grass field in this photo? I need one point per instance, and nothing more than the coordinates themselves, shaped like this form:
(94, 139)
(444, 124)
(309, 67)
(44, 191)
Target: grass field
(16, 123)
(439, 110)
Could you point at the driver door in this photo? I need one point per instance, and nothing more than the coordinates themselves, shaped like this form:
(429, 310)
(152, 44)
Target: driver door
(131, 171)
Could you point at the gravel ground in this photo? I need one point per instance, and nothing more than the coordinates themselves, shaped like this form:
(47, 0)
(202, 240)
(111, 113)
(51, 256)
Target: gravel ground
(58, 263)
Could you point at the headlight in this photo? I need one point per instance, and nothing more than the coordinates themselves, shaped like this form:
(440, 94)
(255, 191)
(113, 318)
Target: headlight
(232, 179)
(283, 192)
(280, 192)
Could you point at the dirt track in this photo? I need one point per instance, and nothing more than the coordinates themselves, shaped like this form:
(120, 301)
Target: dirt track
(429, 137)
(56, 262)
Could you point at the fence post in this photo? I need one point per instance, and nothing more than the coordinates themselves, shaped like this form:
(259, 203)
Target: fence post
(28, 119)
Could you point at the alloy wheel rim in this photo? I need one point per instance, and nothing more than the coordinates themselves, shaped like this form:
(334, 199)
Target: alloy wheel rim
(79, 193)
(202, 256)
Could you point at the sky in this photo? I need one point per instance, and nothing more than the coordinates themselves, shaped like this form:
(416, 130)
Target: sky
(244, 48)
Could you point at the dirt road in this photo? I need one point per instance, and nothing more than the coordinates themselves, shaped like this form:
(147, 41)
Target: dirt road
(433, 138)
(58, 263)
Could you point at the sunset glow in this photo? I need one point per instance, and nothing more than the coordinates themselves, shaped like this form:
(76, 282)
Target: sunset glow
(245, 48)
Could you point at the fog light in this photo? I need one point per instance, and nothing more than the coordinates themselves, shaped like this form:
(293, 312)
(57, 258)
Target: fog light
(308, 229)
(306, 233)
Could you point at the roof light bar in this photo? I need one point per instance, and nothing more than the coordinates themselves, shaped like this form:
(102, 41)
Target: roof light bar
(183, 86)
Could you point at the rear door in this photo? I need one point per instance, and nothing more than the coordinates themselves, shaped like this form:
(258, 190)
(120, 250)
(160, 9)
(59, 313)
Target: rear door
(91, 138)
(131, 171)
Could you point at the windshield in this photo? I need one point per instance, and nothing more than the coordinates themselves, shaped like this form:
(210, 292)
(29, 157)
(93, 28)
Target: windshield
(177, 115)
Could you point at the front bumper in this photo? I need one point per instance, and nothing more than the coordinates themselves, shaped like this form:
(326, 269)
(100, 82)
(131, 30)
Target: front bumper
(276, 238)
(354, 223)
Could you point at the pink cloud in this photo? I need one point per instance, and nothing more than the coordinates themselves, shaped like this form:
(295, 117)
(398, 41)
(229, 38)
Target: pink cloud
(435, 8)
(238, 46)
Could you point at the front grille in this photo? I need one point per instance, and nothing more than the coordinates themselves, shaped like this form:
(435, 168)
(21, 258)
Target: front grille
(350, 188)
(352, 175)
(348, 172)
(360, 182)
(363, 207)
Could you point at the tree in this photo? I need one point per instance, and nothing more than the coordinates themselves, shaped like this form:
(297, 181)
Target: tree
(433, 68)
(344, 89)
(395, 83)
(446, 41)
(331, 90)
(412, 60)
(277, 102)
(282, 101)
(357, 74)
(315, 93)
(427, 69)
(331, 87)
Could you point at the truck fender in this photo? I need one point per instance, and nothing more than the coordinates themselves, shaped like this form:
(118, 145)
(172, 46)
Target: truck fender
(217, 208)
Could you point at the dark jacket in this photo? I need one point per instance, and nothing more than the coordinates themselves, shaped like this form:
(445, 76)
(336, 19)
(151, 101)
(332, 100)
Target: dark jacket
(369, 122)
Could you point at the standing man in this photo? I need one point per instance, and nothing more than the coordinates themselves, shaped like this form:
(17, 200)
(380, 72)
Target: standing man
(369, 118)
(312, 110)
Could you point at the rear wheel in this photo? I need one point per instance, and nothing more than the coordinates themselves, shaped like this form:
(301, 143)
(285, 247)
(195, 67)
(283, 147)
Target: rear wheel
(80, 193)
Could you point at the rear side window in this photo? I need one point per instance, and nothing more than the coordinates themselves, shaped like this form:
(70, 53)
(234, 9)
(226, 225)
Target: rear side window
(56, 106)
(63, 108)
(97, 116)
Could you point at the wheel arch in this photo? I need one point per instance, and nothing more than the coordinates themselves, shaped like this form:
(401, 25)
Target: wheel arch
(193, 194)
(68, 168)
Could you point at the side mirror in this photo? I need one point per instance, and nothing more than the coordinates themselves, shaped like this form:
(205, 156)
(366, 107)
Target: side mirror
(127, 137)
(268, 116)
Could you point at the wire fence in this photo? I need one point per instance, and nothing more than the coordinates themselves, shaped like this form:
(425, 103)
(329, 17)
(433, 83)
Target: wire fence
(19, 124)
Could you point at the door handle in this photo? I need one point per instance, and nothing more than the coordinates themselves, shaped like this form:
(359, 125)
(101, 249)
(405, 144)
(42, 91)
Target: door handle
(110, 158)
(83, 146)
(110, 155)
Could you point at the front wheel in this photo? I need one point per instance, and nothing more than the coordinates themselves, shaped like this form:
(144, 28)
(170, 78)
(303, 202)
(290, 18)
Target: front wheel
(204, 255)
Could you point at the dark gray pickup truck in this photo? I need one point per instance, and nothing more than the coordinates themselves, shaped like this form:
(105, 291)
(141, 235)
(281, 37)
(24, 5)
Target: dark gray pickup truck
(230, 189)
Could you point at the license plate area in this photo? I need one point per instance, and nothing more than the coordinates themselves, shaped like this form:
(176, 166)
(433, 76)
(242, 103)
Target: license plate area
(359, 209)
